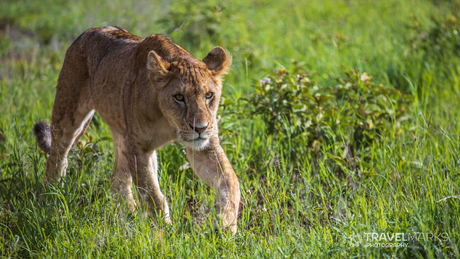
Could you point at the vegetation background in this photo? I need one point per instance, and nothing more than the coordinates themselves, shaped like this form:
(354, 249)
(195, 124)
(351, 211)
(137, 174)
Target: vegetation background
(341, 118)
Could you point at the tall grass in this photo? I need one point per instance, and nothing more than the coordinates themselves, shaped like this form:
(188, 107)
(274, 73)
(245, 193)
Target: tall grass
(294, 203)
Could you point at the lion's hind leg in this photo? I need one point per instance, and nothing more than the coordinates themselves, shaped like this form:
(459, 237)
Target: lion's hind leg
(64, 136)
(72, 112)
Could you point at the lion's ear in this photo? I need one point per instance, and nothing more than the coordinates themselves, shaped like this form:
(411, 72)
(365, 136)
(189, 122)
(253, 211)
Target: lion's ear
(157, 66)
(218, 61)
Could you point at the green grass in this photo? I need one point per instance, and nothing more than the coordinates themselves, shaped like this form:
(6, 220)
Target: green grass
(305, 208)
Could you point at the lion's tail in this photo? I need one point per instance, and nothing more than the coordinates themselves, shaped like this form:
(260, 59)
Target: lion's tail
(42, 132)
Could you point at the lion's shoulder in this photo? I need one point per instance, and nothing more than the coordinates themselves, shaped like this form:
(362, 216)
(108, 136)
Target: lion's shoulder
(115, 38)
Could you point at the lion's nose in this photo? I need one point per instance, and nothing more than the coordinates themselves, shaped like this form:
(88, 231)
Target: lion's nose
(198, 128)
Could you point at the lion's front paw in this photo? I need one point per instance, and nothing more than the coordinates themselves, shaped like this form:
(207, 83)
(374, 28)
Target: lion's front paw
(232, 227)
(227, 220)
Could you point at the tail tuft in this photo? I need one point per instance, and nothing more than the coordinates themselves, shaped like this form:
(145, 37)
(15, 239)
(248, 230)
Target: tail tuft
(42, 132)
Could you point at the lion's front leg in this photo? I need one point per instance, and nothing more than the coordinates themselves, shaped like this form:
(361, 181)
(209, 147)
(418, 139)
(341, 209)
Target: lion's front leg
(122, 179)
(212, 166)
(144, 172)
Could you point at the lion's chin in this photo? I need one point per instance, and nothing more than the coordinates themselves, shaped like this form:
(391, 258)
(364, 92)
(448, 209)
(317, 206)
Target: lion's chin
(197, 144)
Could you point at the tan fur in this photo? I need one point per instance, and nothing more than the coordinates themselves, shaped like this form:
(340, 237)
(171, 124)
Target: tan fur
(132, 83)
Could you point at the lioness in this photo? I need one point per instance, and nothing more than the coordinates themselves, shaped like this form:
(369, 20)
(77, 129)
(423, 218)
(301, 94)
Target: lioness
(150, 92)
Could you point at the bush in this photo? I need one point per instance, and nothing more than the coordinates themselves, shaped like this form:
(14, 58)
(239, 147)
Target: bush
(335, 122)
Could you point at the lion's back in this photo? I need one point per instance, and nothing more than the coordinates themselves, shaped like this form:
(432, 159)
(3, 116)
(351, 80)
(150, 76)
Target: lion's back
(106, 42)
(95, 68)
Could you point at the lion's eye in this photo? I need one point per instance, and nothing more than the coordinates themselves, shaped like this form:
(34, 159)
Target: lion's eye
(209, 95)
(179, 97)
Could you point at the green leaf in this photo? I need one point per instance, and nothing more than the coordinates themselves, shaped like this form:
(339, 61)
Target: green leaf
(228, 102)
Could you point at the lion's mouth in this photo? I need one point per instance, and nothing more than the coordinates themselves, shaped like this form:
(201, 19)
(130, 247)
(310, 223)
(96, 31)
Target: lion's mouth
(195, 140)
(190, 137)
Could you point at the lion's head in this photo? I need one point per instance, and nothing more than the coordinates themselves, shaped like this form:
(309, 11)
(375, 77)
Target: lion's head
(189, 91)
